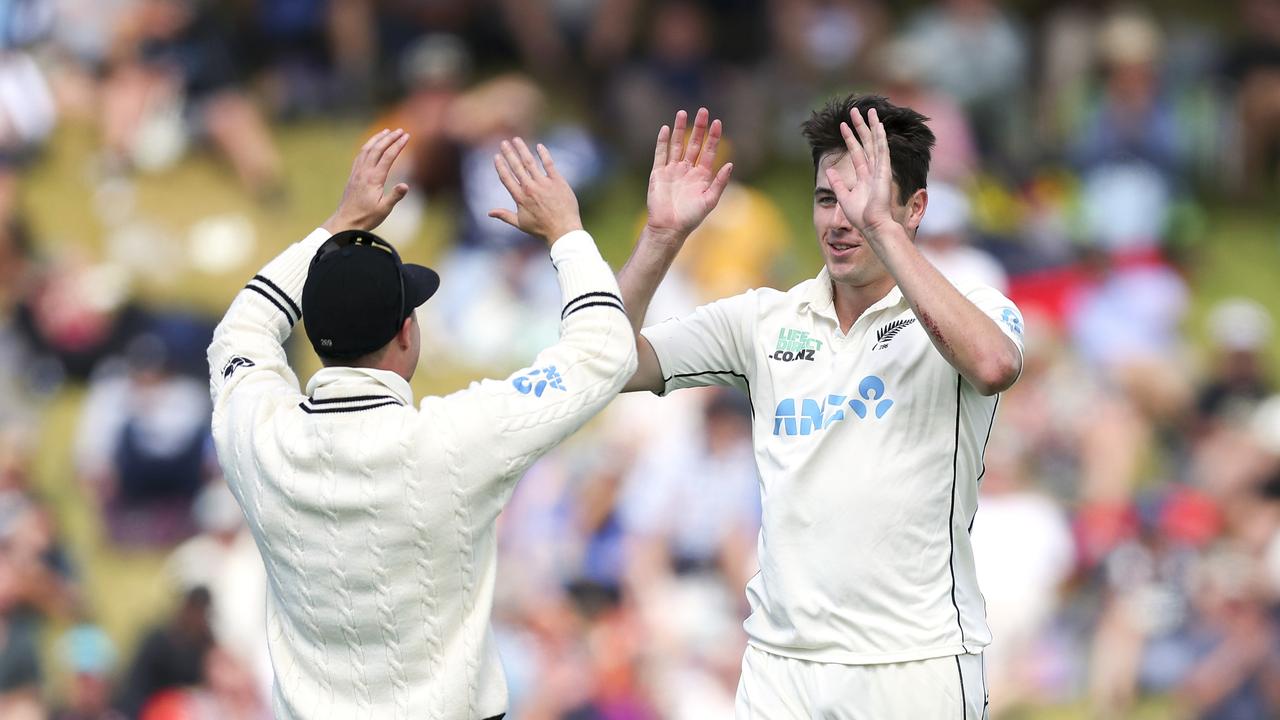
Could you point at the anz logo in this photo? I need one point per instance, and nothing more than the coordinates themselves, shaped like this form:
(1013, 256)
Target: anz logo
(807, 415)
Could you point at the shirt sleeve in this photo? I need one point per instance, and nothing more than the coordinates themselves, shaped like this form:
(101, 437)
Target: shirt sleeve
(247, 361)
(500, 427)
(1001, 309)
(710, 346)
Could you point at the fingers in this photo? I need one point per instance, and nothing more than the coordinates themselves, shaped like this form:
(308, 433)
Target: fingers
(865, 138)
(526, 158)
(674, 148)
(505, 216)
(514, 163)
(708, 155)
(881, 141)
(857, 152)
(720, 182)
(837, 182)
(390, 200)
(392, 152)
(547, 162)
(699, 133)
(374, 156)
(507, 177)
(660, 148)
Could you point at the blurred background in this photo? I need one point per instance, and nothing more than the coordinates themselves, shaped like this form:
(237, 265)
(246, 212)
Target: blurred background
(1114, 167)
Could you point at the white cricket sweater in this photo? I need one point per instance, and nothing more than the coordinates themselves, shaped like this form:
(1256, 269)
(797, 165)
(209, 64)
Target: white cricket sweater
(375, 518)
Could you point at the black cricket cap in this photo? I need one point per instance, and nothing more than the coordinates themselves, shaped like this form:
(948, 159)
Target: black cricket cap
(358, 293)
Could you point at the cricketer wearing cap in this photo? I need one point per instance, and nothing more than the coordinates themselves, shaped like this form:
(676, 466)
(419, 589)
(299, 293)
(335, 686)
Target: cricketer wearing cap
(873, 388)
(375, 516)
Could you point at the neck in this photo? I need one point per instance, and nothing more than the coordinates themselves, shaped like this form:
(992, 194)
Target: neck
(853, 300)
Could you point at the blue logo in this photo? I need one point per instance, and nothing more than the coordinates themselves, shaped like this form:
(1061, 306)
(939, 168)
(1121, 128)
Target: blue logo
(537, 381)
(1012, 320)
(815, 415)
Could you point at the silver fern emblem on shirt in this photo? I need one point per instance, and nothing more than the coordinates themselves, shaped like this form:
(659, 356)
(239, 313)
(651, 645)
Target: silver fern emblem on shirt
(887, 333)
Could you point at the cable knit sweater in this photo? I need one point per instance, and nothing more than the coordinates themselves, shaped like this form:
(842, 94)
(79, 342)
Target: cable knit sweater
(375, 518)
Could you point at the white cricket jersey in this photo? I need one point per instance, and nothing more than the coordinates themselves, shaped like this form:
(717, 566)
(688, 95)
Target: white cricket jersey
(869, 446)
(375, 517)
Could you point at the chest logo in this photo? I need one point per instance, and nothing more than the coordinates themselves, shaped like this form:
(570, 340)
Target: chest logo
(889, 332)
(795, 345)
(805, 416)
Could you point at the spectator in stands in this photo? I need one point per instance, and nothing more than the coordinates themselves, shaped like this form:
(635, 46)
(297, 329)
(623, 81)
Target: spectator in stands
(143, 445)
(173, 74)
(171, 655)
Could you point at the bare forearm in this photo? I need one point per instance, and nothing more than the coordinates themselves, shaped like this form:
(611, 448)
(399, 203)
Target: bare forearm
(644, 271)
(969, 340)
(637, 281)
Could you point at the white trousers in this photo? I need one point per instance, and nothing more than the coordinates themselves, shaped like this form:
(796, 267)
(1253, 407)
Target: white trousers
(773, 687)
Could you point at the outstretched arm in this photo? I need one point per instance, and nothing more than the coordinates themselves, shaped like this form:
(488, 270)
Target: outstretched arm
(503, 425)
(683, 190)
(249, 342)
(967, 337)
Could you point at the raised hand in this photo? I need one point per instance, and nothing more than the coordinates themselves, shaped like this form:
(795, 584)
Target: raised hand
(683, 190)
(365, 204)
(545, 204)
(868, 203)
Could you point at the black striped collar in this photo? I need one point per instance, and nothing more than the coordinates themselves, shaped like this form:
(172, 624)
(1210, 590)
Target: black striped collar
(348, 386)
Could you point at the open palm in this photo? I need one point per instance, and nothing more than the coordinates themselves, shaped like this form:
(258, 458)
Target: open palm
(683, 190)
(868, 203)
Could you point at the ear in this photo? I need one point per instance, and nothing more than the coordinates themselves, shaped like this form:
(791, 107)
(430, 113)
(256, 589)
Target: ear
(916, 205)
(404, 338)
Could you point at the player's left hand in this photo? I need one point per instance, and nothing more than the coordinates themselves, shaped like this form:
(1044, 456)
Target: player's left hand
(867, 204)
(365, 202)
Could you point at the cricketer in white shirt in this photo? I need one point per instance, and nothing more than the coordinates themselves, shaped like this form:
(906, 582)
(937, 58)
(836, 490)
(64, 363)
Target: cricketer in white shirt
(375, 513)
(874, 389)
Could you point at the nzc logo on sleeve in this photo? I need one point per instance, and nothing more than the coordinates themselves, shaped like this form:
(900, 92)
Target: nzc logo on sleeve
(537, 381)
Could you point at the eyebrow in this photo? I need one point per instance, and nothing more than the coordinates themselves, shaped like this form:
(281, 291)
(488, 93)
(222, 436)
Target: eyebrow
(823, 191)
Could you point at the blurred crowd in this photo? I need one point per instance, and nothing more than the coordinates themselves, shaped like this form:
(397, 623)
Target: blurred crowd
(1128, 541)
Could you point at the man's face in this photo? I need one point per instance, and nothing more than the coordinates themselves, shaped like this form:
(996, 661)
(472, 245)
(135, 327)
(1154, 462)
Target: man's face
(848, 258)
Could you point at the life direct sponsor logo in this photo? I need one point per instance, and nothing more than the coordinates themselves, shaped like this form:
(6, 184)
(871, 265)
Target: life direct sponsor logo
(795, 345)
(537, 381)
(805, 416)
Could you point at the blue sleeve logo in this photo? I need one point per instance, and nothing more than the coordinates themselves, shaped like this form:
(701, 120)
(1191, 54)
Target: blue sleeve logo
(537, 381)
(1012, 320)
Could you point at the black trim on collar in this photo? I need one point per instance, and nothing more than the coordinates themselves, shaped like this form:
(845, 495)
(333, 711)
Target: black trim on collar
(316, 411)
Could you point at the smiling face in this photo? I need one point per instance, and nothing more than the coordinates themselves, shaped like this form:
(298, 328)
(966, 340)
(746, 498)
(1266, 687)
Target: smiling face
(849, 260)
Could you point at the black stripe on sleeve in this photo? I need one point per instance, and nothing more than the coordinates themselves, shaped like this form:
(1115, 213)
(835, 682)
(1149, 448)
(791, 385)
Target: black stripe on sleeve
(297, 311)
(600, 303)
(275, 302)
(569, 309)
(745, 381)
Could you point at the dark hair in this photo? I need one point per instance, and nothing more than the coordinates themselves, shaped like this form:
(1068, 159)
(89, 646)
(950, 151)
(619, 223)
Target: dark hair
(910, 139)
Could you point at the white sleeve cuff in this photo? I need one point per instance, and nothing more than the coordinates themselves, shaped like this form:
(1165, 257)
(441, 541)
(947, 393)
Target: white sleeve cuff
(573, 244)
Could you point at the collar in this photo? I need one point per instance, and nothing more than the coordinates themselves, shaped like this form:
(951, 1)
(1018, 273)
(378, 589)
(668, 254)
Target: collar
(820, 297)
(345, 382)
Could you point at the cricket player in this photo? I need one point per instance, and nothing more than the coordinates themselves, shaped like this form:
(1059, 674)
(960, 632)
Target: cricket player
(873, 388)
(374, 513)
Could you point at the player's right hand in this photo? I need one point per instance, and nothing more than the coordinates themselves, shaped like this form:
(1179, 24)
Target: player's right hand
(365, 202)
(545, 204)
(683, 190)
